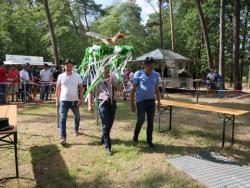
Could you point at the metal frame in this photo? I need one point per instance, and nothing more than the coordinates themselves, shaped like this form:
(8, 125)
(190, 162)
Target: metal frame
(169, 110)
(225, 117)
(11, 141)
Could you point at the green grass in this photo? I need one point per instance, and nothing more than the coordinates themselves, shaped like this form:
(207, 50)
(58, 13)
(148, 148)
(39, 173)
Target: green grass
(44, 163)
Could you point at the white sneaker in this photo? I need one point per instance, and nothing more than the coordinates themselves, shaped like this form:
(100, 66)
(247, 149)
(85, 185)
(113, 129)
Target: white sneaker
(76, 133)
(62, 141)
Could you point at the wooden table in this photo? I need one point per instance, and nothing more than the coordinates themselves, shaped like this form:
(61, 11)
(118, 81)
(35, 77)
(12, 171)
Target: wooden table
(227, 114)
(9, 137)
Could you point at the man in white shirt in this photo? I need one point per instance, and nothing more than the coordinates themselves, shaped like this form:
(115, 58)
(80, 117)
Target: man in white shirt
(25, 79)
(46, 77)
(67, 97)
(24, 75)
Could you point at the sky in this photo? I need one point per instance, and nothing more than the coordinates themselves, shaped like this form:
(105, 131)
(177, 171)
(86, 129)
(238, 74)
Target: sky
(146, 8)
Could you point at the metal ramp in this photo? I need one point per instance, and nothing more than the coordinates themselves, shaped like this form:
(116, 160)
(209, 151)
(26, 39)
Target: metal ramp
(213, 170)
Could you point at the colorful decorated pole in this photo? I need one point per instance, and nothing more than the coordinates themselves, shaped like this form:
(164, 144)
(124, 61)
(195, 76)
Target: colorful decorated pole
(100, 59)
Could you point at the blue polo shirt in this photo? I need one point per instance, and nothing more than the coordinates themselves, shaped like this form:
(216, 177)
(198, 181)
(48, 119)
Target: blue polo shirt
(146, 85)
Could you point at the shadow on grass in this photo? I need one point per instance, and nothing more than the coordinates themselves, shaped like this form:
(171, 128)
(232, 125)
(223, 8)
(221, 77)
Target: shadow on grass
(50, 170)
(150, 179)
(171, 150)
(49, 167)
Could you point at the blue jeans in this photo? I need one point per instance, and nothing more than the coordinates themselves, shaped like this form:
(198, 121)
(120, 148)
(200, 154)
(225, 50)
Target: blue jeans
(145, 107)
(45, 91)
(2, 93)
(107, 113)
(220, 90)
(63, 111)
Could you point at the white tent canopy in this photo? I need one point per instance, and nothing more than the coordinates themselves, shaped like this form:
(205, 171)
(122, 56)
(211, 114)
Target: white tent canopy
(21, 60)
(160, 54)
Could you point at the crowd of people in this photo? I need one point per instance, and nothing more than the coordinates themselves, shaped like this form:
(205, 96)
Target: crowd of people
(143, 86)
(215, 82)
(23, 83)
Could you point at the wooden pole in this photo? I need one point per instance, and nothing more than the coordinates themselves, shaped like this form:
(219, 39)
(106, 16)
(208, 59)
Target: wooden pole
(222, 38)
(161, 23)
(172, 24)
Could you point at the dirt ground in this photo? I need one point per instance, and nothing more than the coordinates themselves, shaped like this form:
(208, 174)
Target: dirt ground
(43, 162)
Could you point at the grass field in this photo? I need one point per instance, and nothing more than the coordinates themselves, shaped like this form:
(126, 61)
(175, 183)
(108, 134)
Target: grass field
(43, 162)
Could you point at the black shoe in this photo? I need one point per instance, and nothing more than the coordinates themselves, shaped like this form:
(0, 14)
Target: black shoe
(108, 151)
(135, 140)
(151, 145)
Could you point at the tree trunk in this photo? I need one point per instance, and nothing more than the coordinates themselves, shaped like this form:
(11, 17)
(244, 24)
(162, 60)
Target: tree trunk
(172, 24)
(244, 41)
(236, 30)
(205, 34)
(161, 23)
(222, 38)
(52, 33)
(85, 15)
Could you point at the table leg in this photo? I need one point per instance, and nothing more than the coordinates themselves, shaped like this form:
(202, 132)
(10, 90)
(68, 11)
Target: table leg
(170, 118)
(233, 125)
(16, 158)
(169, 109)
(223, 131)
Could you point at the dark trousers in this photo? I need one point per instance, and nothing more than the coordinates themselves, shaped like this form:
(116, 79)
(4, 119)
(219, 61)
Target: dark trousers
(63, 111)
(2, 93)
(145, 107)
(25, 88)
(107, 112)
(45, 88)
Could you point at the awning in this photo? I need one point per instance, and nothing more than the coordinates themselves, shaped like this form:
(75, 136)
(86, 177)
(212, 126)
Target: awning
(160, 54)
(21, 60)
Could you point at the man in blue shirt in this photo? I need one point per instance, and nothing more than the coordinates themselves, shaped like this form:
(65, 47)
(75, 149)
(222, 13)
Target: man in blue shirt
(146, 87)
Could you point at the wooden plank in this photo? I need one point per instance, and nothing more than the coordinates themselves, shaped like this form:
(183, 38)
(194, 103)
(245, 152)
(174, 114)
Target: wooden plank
(203, 107)
(9, 111)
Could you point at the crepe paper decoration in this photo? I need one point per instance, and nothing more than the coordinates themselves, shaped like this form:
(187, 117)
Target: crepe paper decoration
(100, 59)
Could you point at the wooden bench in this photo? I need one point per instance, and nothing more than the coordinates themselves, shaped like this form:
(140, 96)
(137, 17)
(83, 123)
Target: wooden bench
(227, 114)
(10, 111)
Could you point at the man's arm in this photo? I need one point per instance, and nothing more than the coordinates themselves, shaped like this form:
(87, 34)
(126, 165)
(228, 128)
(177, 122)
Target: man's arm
(132, 98)
(58, 93)
(81, 94)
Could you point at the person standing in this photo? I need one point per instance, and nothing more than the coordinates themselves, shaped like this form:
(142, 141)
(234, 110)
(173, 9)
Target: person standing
(56, 74)
(219, 84)
(30, 85)
(46, 77)
(25, 79)
(36, 78)
(146, 88)
(3, 82)
(107, 107)
(67, 97)
(14, 78)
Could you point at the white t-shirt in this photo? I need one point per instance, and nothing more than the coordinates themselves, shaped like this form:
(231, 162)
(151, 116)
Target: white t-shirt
(24, 75)
(45, 75)
(69, 86)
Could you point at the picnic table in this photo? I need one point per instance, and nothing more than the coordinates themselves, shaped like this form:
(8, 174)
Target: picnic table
(228, 115)
(9, 137)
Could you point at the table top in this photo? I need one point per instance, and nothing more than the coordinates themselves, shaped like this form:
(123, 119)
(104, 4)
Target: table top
(9, 131)
(201, 107)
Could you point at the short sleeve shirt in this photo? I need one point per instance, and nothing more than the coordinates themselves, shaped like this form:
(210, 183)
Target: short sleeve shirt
(3, 77)
(24, 75)
(106, 89)
(146, 85)
(45, 75)
(69, 86)
(14, 75)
